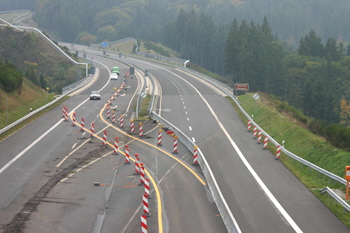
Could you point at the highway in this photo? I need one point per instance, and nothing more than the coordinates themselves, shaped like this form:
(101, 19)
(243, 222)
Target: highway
(261, 193)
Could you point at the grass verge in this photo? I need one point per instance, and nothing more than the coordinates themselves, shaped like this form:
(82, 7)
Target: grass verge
(300, 141)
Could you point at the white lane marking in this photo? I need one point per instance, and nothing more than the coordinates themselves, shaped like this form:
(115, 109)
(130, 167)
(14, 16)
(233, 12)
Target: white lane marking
(190, 127)
(193, 140)
(47, 132)
(184, 107)
(188, 119)
(29, 147)
(186, 113)
(246, 163)
(74, 145)
(67, 156)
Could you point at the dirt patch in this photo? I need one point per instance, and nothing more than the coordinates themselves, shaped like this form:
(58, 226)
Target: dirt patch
(17, 224)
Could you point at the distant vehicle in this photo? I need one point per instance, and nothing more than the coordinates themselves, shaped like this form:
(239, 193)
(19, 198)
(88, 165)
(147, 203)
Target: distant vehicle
(116, 70)
(95, 95)
(114, 76)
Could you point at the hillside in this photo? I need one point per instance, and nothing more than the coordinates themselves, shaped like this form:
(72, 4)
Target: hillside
(36, 59)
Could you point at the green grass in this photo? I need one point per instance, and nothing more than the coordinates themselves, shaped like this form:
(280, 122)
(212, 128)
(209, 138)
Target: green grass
(14, 106)
(144, 107)
(300, 141)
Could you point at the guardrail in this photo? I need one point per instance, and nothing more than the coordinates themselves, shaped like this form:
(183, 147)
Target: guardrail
(86, 81)
(336, 197)
(219, 199)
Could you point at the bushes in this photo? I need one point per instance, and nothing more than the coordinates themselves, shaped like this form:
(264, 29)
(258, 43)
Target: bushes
(10, 78)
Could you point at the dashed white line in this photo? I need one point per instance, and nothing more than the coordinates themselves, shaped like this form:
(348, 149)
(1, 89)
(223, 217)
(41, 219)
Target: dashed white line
(190, 127)
(193, 140)
(74, 145)
(188, 119)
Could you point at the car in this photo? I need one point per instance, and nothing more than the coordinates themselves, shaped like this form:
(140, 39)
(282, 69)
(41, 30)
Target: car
(95, 95)
(116, 70)
(113, 76)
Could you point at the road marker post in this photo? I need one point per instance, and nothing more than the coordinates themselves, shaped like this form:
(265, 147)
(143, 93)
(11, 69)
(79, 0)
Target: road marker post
(137, 166)
(108, 112)
(82, 124)
(145, 205)
(259, 136)
(132, 126)
(147, 192)
(249, 125)
(65, 113)
(116, 146)
(140, 130)
(74, 117)
(113, 118)
(278, 152)
(121, 122)
(104, 142)
(175, 145)
(144, 226)
(92, 129)
(195, 156)
(255, 131)
(266, 140)
(142, 174)
(127, 154)
(159, 138)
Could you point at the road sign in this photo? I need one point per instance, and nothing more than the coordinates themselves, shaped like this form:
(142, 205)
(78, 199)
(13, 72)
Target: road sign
(256, 96)
(104, 44)
(143, 95)
(242, 86)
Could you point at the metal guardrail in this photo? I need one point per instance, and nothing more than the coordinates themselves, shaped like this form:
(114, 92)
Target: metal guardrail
(219, 199)
(336, 197)
(81, 84)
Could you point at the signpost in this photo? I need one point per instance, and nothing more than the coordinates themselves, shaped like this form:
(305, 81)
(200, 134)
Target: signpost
(241, 87)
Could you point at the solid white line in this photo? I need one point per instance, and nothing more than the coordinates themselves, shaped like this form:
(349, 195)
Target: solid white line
(29, 147)
(249, 167)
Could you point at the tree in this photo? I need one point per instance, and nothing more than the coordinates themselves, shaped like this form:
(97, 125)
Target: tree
(311, 45)
(344, 112)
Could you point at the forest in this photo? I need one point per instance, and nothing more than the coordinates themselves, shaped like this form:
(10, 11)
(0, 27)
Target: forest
(297, 51)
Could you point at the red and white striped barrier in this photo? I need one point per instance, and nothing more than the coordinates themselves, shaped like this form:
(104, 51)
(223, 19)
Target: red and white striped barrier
(82, 124)
(144, 227)
(175, 145)
(108, 112)
(278, 152)
(249, 125)
(116, 146)
(147, 192)
(132, 126)
(137, 166)
(195, 156)
(74, 117)
(255, 131)
(127, 154)
(259, 136)
(140, 130)
(65, 113)
(266, 140)
(159, 138)
(145, 205)
(142, 174)
(92, 129)
(121, 121)
(104, 142)
(113, 118)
